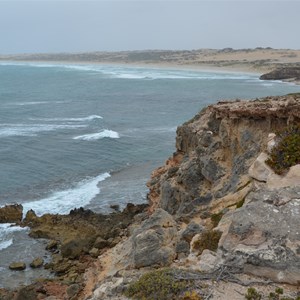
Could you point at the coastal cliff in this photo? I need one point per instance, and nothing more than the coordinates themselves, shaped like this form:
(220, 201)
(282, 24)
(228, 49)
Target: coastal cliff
(219, 218)
(218, 208)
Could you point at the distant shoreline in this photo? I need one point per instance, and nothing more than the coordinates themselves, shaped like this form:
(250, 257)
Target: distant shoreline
(254, 61)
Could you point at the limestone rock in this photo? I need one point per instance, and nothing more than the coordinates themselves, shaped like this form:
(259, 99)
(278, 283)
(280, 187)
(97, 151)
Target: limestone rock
(11, 213)
(214, 151)
(17, 266)
(271, 142)
(153, 241)
(37, 262)
(209, 261)
(259, 170)
(191, 230)
(263, 238)
(292, 178)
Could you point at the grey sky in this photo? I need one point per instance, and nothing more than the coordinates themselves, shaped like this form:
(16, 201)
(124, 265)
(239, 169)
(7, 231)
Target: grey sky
(74, 26)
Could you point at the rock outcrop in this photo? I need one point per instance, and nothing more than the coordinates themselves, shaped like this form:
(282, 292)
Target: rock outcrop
(11, 213)
(263, 237)
(287, 73)
(214, 152)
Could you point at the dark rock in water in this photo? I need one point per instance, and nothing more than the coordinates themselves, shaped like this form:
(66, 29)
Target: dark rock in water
(52, 245)
(37, 262)
(115, 207)
(282, 73)
(30, 218)
(11, 213)
(17, 266)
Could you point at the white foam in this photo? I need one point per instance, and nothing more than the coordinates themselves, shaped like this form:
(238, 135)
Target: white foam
(89, 118)
(99, 135)
(30, 103)
(6, 234)
(63, 201)
(7, 130)
(129, 72)
(6, 244)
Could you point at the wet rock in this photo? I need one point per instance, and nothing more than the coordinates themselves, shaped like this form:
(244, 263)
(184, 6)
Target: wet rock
(17, 266)
(37, 262)
(52, 245)
(11, 213)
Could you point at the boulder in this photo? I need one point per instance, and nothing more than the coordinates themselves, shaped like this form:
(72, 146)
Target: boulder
(11, 213)
(191, 230)
(52, 245)
(153, 243)
(292, 178)
(259, 170)
(73, 290)
(17, 266)
(94, 252)
(37, 262)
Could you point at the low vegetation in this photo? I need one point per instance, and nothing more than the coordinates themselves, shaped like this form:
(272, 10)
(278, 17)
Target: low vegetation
(287, 151)
(278, 294)
(164, 284)
(208, 240)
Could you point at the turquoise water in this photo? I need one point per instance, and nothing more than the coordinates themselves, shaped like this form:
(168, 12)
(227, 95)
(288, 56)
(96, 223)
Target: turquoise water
(89, 135)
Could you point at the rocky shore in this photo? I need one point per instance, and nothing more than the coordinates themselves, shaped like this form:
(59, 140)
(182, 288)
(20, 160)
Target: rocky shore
(219, 221)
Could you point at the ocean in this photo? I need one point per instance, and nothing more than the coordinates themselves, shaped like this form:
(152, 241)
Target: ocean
(90, 135)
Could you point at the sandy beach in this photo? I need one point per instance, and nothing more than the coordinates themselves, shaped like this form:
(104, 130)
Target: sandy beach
(258, 60)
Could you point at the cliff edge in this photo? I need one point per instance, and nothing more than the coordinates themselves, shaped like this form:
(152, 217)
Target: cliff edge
(217, 207)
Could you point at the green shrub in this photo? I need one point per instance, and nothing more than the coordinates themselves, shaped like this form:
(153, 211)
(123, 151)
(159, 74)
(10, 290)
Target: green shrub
(159, 284)
(240, 203)
(287, 151)
(193, 295)
(216, 218)
(253, 294)
(208, 240)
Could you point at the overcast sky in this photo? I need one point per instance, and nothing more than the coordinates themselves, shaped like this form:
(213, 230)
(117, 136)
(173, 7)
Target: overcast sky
(113, 25)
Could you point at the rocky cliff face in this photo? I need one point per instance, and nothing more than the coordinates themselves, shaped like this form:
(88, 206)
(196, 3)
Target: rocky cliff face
(215, 149)
(215, 206)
